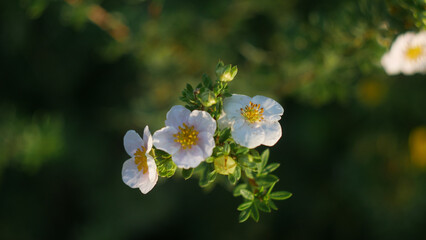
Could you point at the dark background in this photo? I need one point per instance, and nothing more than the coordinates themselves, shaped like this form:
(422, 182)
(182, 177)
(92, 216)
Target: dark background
(76, 75)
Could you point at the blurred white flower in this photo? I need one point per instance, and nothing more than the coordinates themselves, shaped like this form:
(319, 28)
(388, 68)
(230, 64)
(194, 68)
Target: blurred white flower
(140, 171)
(253, 121)
(188, 136)
(407, 55)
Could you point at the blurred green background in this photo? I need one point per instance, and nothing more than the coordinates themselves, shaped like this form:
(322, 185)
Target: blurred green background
(75, 75)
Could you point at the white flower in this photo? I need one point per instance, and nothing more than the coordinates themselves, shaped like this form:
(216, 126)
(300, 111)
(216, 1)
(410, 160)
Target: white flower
(253, 121)
(188, 136)
(140, 171)
(407, 54)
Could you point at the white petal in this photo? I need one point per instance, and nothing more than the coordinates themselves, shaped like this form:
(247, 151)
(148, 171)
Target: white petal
(147, 137)
(188, 158)
(238, 98)
(249, 135)
(272, 109)
(232, 105)
(152, 167)
(202, 121)
(150, 182)
(391, 65)
(177, 115)
(273, 133)
(148, 185)
(132, 141)
(131, 175)
(206, 143)
(163, 139)
(223, 121)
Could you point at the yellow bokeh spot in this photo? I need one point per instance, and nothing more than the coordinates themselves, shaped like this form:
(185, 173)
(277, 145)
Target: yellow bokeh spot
(371, 92)
(141, 160)
(413, 53)
(417, 143)
(187, 136)
(252, 112)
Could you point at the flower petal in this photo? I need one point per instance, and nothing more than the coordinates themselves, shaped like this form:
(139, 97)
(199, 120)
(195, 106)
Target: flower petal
(163, 139)
(148, 185)
(273, 133)
(232, 105)
(132, 141)
(272, 109)
(150, 182)
(147, 137)
(206, 143)
(188, 158)
(249, 135)
(177, 115)
(202, 121)
(223, 121)
(131, 175)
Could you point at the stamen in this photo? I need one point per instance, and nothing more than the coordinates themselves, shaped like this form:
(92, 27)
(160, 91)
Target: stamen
(252, 113)
(187, 136)
(140, 159)
(414, 53)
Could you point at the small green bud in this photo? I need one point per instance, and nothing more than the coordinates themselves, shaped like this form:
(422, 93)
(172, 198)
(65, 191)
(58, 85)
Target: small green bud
(226, 73)
(225, 165)
(207, 98)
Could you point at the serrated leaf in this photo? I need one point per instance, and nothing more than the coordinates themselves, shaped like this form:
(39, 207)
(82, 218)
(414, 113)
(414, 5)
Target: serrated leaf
(255, 212)
(187, 173)
(280, 195)
(247, 194)
(270, 168)
(244, 215)
(267, 180)
(244, 206)
(238, 188)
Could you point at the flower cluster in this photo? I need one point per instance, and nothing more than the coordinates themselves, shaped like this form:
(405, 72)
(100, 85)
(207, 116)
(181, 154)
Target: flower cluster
(213, 136)
(407, 55)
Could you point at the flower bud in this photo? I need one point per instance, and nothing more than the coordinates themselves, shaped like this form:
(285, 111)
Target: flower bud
(226, 73)
(225, 165)
(207, 98)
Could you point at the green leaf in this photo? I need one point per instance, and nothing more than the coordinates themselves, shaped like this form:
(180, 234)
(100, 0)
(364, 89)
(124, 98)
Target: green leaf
(267, 180)
(242, 150)
(244, 215)
(189, 87)
(272, 205)
(263, 160)
(237, 173)
(224, 135)
(237, 189)
(281, 195)
(247, 194)
(263, 206)
(249, 173)
(187, 173)
(212, 176)
(209, 159)
(232, 179)
(244, 206)
(270, 168)
(255, 154)
(206, 80)
(255, 212)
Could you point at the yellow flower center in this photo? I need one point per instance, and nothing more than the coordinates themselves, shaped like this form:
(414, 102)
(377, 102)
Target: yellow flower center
(140, 160)
(413, 53)
(252, 112)
(187, 136)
